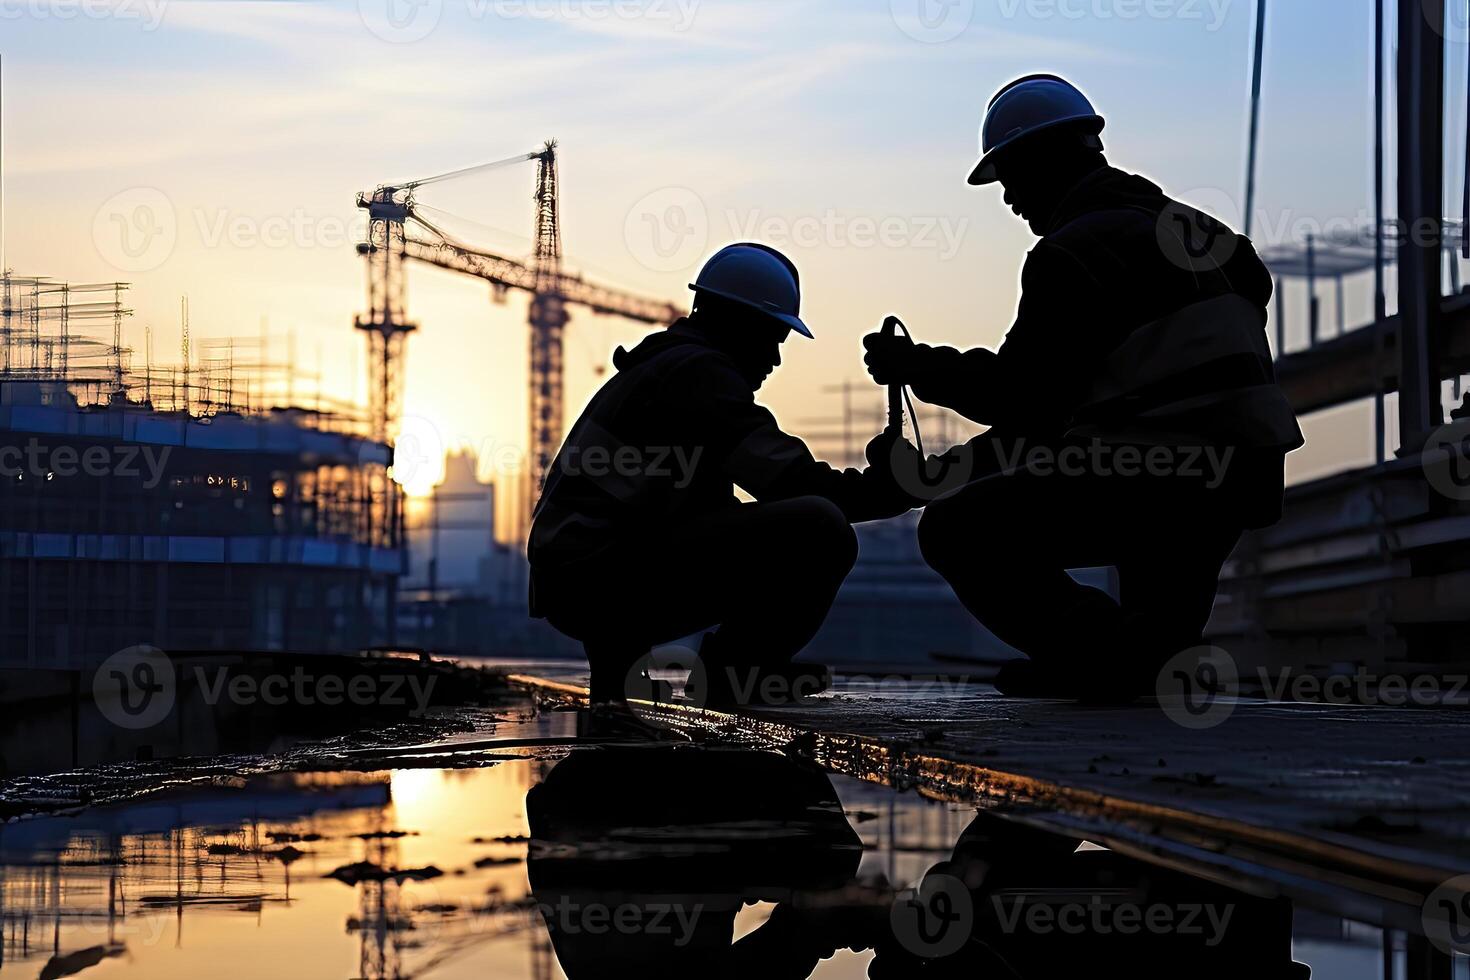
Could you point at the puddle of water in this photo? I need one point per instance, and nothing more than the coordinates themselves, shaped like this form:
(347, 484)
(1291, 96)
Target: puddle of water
(658, 861)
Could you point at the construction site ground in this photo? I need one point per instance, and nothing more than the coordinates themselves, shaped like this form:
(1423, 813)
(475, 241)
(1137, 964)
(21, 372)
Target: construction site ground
(1362, 811)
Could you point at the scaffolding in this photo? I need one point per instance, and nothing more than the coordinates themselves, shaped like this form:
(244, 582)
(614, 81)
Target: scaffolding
(71, 335)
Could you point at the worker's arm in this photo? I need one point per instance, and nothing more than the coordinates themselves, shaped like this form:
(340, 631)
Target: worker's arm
(769, 464)
(1019, 386)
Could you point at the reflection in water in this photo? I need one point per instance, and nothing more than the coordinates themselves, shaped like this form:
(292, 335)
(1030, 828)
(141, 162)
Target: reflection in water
(648, 879)
(642, 858)
(659, 861)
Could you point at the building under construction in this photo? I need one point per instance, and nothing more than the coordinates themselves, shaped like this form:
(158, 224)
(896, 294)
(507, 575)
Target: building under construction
(194, 507)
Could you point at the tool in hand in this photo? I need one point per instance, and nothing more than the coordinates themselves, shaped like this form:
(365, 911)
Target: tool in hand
(898, 394)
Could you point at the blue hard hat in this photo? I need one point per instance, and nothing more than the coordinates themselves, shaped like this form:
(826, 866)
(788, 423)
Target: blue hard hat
(1028, 106)
(757, 276)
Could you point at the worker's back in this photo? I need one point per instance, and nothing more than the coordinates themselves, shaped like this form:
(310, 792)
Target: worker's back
(640, 453)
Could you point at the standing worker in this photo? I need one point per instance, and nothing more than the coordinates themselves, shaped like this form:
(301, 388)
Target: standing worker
(638, 538)
(1135, 417)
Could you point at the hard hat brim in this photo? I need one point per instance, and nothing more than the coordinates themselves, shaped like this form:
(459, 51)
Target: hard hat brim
(984, 172)
(787, 319)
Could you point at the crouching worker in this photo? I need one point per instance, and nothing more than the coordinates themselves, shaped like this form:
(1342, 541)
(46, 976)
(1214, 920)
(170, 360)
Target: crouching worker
(1134, 412)
(638, 538)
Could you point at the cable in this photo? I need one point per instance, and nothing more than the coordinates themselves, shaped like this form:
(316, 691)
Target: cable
(898, 394)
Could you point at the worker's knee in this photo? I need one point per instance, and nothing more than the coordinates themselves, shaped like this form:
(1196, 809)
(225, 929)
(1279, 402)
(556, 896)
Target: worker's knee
(938, 538)
(823, 534)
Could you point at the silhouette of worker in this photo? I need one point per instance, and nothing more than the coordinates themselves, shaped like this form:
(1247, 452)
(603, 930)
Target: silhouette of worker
(1134, 415)
(641, 857)
(638, 538)
(1016, 903)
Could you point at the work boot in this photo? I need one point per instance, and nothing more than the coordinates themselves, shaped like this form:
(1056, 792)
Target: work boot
(1071, 682)
(611, 663)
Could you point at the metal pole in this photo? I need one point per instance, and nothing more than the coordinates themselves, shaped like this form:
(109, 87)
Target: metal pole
(1341, 316)
(1421, 213)
(1312, 307)
(1380, 297)
(1250, 167)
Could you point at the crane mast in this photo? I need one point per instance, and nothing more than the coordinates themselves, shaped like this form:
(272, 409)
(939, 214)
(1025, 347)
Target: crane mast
(548, 325)
(397, 231)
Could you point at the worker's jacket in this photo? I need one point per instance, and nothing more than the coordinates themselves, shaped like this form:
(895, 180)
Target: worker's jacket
(668, 438)
(1141, 321)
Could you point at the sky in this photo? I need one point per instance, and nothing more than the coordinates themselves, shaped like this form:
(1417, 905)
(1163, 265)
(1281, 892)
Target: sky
(215, 148)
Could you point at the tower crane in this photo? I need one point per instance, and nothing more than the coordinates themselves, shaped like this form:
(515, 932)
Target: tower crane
(398, 231)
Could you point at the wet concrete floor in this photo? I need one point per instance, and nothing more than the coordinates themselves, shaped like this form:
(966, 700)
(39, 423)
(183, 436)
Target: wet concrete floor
(523, 846)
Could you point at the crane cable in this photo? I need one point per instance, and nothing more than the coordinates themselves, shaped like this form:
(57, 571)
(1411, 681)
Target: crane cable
(463, 171)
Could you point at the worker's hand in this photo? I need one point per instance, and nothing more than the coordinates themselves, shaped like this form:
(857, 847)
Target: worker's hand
(894, 471)
(889, 358)
(889, 451)
(916, 478)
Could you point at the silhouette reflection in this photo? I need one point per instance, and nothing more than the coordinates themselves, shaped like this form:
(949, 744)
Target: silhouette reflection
(641, 859)
(1031, 904)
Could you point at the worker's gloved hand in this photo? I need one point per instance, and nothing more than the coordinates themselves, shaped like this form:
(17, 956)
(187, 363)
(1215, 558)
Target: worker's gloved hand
(916, 478)
(895, 469)
(889, 359)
